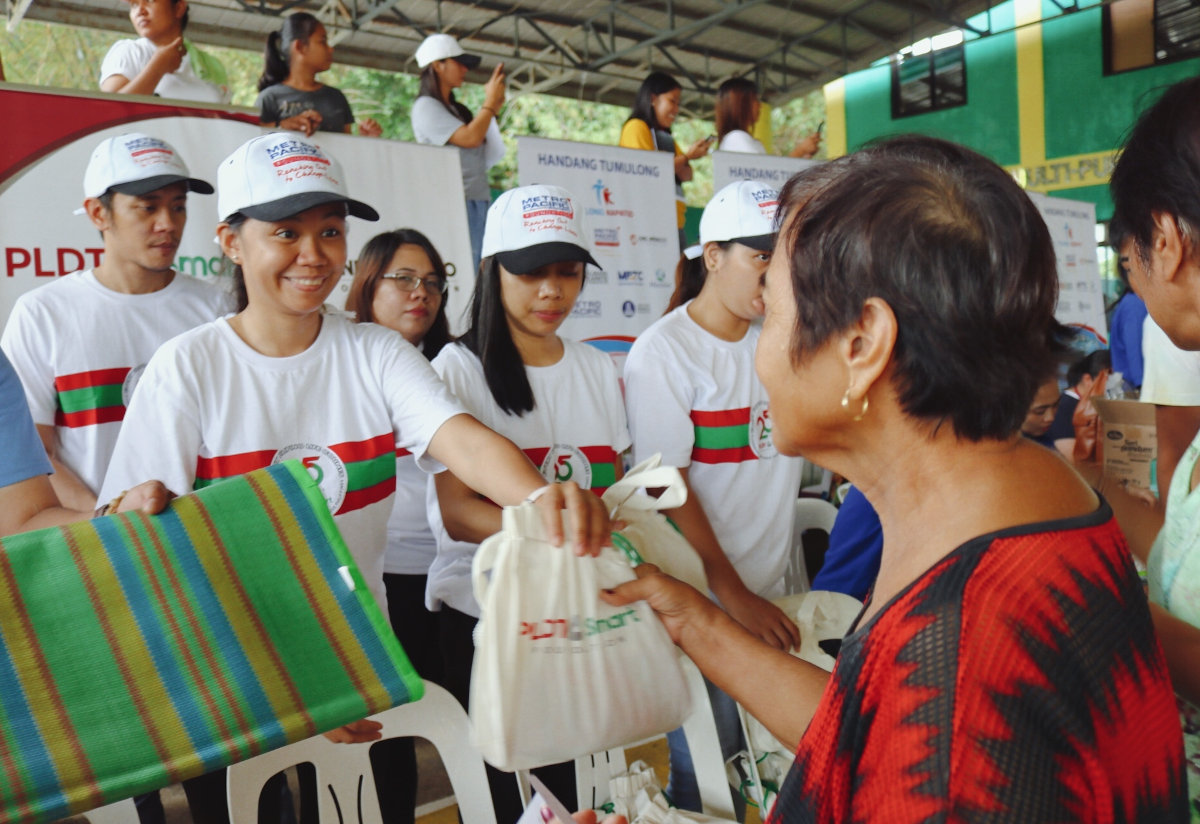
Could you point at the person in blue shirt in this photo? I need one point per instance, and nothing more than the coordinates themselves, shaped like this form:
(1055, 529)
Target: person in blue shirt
(855, 546)
(1125, 338)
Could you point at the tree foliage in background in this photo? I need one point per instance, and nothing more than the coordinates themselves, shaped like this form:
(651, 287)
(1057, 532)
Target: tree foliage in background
(45, 54)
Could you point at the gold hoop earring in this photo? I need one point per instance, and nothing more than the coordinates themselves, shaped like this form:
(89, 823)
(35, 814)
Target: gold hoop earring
(863, 411)
(846, 400)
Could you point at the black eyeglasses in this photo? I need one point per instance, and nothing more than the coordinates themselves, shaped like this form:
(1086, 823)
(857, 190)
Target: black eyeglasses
(409, 283)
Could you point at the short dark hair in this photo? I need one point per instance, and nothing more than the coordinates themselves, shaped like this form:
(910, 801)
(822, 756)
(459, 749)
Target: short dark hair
(1091, 364)
(656, 83)
(297, 27)
(373, 259)
(1159, 169)
(959, 253)
(735, 105)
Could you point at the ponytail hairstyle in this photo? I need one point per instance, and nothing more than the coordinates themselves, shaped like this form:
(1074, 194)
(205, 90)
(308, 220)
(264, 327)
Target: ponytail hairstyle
(656, 83)
(373, 259)
(491, 340)
(735, 106)
(297, 27)
(241, 298)
(690, 275)
(431, 87)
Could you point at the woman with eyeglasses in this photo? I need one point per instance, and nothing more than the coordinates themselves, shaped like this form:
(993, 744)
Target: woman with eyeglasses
(400, 282)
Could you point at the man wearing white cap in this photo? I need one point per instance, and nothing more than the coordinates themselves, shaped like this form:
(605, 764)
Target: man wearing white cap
(440, 120)
(79, 343)
(692, 394)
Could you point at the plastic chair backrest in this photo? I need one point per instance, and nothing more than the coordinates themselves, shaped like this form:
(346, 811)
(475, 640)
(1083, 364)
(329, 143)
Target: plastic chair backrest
(118, 812)
(810, 513)
(344, 776)
(593, 772)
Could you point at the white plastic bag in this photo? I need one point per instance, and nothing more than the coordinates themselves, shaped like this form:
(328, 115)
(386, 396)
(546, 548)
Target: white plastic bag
(648, 533)
(558, 673)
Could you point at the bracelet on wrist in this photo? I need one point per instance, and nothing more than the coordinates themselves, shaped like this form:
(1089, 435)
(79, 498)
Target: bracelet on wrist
(110, 508)
(537, 493)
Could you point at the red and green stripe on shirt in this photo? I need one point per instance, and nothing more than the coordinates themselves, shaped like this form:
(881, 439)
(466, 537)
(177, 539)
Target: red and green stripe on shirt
(89, 398)
(370, 469)
(722, 436)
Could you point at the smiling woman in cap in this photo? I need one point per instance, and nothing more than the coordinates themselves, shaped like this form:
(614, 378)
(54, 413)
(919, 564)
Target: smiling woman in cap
(558, 400)
(440, 120)
(689, 383)
(282, 379)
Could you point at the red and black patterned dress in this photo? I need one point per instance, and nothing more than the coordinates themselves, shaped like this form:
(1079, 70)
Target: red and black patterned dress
(1019, 680)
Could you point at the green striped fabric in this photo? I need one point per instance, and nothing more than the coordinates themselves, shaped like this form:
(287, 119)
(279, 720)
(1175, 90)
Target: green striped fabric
(137, 651)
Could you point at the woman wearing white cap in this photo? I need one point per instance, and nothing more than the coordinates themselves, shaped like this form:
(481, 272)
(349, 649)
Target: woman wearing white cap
(692, 394)
(440, 120)
(282, 379)
(557, 399)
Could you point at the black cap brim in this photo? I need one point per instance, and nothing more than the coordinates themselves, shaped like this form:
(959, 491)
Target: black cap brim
(763, 243)
(471, 61)
(295, 204)
(524, 261)
(150, 184)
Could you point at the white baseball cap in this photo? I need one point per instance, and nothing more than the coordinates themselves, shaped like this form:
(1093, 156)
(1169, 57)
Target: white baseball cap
(440, 47)
(136, 163)
(274, 176)
(742, 212)
(532, 226)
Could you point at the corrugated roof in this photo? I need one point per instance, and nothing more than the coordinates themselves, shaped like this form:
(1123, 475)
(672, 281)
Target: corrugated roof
(590, 49)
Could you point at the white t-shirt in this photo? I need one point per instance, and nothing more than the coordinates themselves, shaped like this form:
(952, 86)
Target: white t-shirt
(411, 546)
(696, 399)
(433, 124)
(210, 407)
(128, 57)
(1172, 375)
(741, 141)
(80, 348)
(576, 431)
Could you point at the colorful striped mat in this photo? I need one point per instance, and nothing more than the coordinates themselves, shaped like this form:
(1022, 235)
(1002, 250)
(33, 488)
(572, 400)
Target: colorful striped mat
(136, 651)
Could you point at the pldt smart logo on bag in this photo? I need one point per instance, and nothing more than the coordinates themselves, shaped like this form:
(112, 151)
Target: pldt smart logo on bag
(580, 634)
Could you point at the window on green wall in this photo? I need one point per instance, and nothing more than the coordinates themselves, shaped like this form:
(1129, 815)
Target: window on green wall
(1140, 33)
(929, 75)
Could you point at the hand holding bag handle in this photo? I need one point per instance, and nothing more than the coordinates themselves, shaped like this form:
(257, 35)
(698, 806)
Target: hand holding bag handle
(651, 475)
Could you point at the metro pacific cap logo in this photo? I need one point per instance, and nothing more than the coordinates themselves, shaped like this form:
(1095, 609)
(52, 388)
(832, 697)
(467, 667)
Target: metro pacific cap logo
(540, 205)
(148, 151)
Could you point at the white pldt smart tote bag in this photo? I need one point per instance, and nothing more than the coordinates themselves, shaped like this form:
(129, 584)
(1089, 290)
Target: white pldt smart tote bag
(558, 673)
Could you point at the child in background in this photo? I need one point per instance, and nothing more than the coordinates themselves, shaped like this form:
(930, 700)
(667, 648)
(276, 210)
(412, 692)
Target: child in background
(289, 95)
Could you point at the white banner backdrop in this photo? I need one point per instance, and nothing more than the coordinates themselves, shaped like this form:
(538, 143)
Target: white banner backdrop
(1072, 225)
(761, 168)
(628, 198)
(410, 185)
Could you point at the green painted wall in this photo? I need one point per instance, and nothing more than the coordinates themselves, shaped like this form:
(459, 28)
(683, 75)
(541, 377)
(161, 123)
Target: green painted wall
(1086, 111)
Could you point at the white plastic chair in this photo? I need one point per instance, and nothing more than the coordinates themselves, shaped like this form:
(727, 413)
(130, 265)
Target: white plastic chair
(118, 812)
(810, 513)
(344, 776)
(593, 772)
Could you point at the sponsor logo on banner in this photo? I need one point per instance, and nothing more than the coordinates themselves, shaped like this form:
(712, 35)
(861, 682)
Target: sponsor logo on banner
(325, 467)
(643, 308)
(760, 431)
(607, 238)
(652, 239)
(661, 278)
(586, 309)
(603, 193)
(596, 276)
(630, 276)
(628, 309)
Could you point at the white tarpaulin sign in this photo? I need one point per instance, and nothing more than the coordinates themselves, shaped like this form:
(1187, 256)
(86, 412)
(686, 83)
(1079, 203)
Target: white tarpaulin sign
(41, 185)
(1072, 225)
(761, 168)
(628, 198)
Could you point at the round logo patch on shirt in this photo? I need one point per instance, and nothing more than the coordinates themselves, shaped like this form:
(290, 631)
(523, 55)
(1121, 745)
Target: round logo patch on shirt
(566, 463)
(325, 467)
(760, 431)
(131, 381)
